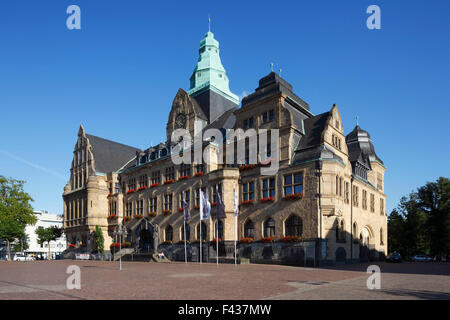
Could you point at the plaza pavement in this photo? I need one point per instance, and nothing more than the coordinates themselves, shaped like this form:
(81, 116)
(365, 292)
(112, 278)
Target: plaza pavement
(169, 281)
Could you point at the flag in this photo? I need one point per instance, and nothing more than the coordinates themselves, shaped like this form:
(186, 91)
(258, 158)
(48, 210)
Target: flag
(236, 202)
(205, 206)
(220, 211)
(186, 212)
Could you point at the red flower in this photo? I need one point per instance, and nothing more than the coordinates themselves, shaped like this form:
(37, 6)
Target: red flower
(247, 240)
(167, 212)
(198, 174)
(267, 199)
(197, 207)
(130, 191)
(180, 209)
(213, 204)
(154, 185)
(247, 202)
(138, 216)
(294, 196)
(169, 181)
(216, 239)
(152, 214)
(183, 177)
(142, 188)
(112, 216)
(267, 240)
(291, 239)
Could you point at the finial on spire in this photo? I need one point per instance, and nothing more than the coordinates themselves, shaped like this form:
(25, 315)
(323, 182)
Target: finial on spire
(209, 23)
(357, 123)
(280, 71)
(271, 66)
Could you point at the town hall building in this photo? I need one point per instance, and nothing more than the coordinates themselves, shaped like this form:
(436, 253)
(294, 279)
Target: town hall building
(324, 204)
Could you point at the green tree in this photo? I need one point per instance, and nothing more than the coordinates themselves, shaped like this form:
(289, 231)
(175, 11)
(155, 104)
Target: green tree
(99, 241)
(21, 244)
(48, 234)
(15, 211)
(421, 222)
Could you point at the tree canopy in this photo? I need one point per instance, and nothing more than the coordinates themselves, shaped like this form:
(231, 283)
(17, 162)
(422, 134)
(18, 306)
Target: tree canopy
(15, 210)
(421, 222)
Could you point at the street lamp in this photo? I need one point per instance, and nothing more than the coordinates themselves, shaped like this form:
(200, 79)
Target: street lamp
(121, 231)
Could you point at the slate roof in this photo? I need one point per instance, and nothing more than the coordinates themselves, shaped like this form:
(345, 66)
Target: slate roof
(110, 156)
(360, 146)
(310, 146)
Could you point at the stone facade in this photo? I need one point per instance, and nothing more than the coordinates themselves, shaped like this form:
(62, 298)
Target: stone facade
(328, 190)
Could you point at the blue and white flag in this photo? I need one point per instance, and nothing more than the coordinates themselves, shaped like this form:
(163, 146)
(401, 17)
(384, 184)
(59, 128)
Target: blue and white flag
(220, 211)
(186, 212)
(236, 202)
(205, 206)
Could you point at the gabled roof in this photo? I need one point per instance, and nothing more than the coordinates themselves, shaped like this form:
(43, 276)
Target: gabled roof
(110, 156)
(313, 131)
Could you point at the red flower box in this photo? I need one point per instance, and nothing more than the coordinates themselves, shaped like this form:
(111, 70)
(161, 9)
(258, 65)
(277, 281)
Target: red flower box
(291, 239)
(247, 167)
(215, 240)
(109, 195)
(169, 181)
(142, 188)
(196, 207)
(138, 216)
(152, 214)
(180, 209)
(198, 174)
(130, 191)
(267, 199)
(154, 185)
(126, 219)
(245, 202)
(167, 212)
(246, 240)
(294, 196)
(266, 240)
(112, 216)
(183, 178)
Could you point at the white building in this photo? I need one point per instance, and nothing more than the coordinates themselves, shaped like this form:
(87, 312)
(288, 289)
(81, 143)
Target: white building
(45, 220)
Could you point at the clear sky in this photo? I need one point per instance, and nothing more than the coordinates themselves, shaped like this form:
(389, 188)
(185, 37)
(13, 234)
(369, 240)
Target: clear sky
(119, 74)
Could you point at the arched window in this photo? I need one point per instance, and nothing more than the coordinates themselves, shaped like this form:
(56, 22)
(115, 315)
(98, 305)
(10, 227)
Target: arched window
(204, 231)
(269, 228)
(188, 232)
(340, 231)
(249, 229)
(219, 230)
(169, 233)
(293, 226)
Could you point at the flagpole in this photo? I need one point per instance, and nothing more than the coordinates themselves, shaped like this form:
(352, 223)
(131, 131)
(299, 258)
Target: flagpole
(235, 240)
(200, 227)
(185, 250)
(217, 241)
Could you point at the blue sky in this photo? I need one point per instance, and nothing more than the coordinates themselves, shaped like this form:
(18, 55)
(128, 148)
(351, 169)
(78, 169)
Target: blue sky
(119, 74)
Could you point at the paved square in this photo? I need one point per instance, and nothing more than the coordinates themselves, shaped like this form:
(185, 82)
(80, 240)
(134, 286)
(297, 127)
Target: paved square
(168, 281)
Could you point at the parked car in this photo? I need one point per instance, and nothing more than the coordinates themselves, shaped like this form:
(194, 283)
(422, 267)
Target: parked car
(22, 257)
(394, 257)
(421, 258)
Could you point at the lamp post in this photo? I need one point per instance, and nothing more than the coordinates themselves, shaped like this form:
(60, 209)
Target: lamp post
(120, 231)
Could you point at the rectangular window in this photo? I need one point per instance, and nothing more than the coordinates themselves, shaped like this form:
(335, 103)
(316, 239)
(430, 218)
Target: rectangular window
(185, 170)
(293, 183)
(271, 115)
(200, 168)
(379, 181)
(381, 206)
(248, 123)
(117, 187)
(153, 204)
(355, 196)
(143, 181)
(372, 202)
(110, 188)
(170, 174)
(364, 199)
(265, 117)
(248, 190)
(140, 207)
(129, 208)
(245, 124)
(132, 184)
(156, 177)
(347, 190)
(268, 188)
(168, 201)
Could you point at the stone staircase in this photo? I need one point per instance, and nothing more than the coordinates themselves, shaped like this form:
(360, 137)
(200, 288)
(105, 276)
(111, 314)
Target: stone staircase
(122, 253)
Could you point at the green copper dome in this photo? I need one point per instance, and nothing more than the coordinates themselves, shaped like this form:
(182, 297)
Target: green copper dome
(209, 71)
